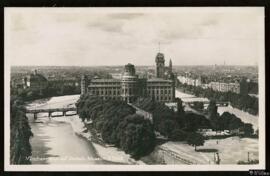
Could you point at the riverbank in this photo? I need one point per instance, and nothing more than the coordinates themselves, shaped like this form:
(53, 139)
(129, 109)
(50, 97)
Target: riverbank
(107, 153)
(50, 128)
(231, 150)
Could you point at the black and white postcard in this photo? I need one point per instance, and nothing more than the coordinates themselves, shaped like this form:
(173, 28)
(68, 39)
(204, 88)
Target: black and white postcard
(134, 89)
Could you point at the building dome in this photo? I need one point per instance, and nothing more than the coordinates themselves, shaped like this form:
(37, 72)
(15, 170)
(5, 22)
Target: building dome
(160, 57)
(129, 70)
(129, 83)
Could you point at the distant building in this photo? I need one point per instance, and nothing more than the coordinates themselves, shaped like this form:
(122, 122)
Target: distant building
(225, 87)
(35, 81)
(214, 85)
(130, 86)
(64, 82)
(190, 80)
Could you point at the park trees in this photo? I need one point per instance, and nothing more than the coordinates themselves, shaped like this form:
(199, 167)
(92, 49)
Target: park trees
(195, 139)
(136, 135)
(213, 114)
(180, 108)
(118, 124)
(248, 129)
(174, 125)
(178, 135)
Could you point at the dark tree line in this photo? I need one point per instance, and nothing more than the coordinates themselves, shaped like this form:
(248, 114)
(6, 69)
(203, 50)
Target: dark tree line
(241, 101)
(20, 133)
(118, 124)
(177, 126)
(182, 126)
(227, 121)
(51, 90)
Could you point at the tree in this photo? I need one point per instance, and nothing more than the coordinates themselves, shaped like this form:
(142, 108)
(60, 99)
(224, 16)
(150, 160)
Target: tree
(194, 121)
(20, 134)
(198, 106)
(180, 108)
(213, 114)
(195, 139)
(167, 126)
(243, 86)
(212, 109)
(229, 121)
(248, 130)
(178, 135)
(118, 124)
(136, 136)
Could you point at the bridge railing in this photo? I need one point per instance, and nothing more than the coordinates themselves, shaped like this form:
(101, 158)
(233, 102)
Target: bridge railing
(51, 110)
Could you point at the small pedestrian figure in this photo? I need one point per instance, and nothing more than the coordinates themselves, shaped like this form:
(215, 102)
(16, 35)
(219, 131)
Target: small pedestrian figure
(217, 159)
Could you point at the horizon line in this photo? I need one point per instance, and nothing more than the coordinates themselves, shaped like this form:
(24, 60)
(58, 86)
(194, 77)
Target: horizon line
(254, 65)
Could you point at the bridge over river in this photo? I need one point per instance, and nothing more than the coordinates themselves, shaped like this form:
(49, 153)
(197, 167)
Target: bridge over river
(51, 110)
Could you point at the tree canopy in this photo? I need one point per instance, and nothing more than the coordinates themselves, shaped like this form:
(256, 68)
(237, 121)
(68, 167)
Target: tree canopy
(195, 139)
(20, 133)
(118, 124)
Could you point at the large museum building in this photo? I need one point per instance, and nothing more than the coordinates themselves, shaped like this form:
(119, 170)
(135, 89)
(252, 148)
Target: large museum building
(130, 86)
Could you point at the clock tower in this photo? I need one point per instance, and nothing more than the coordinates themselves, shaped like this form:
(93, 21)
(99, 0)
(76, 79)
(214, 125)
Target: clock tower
(160, 65)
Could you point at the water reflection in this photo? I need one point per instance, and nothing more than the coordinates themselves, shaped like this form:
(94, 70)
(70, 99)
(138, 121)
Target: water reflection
(54, 142)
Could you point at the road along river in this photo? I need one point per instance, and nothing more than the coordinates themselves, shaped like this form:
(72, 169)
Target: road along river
(55, 141)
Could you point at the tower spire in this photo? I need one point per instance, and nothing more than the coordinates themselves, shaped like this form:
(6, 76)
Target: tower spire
(170, 65)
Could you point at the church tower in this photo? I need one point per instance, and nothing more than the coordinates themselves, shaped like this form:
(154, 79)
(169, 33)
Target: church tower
(170, 66)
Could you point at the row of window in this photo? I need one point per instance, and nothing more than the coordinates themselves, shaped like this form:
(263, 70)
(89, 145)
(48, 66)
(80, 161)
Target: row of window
(129, 91)
(162, 98)
(161, 91)
(105, 92)
(111, 98)
(106, 83)
(159, 87)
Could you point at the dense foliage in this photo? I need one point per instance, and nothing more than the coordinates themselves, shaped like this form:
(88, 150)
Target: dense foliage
(118, 124)
(49, 91)
(178, 125)
(20, 133)
(227, 121)
(195, 139)
(244, 102)
(174, 125)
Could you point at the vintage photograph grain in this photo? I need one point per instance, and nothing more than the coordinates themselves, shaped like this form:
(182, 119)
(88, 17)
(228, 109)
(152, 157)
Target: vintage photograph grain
(134, 88)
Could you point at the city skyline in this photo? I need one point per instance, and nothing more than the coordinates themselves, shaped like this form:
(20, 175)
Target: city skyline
(76, 37)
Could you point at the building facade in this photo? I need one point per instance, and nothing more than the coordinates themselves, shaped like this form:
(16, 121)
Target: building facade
(35, 81)
(225, 87)
(214, 85)
(130, 86)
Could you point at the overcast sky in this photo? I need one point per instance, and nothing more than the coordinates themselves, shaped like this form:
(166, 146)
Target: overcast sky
(92, 36)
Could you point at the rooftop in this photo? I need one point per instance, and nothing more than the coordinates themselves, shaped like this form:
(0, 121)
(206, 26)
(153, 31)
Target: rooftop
(105, 80)
(158, 80)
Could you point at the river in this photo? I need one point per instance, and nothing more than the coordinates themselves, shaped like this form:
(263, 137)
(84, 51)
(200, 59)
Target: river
(54, 140)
